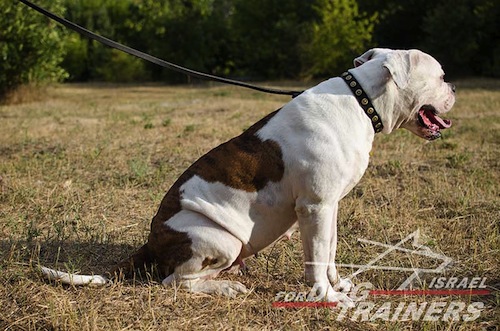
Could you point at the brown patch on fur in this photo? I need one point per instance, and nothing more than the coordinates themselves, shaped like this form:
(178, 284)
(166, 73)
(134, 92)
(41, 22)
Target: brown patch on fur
(245, 162)
(242, 163)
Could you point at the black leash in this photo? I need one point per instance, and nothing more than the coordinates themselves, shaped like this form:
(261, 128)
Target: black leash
(150, 58)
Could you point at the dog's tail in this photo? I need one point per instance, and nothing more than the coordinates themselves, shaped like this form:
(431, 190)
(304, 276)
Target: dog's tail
(73, 279)
(140, 259)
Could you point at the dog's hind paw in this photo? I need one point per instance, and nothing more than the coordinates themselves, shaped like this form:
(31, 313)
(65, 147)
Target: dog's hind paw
(229, 288)
(226, 288)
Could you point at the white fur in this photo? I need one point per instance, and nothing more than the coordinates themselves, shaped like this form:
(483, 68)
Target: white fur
(73, 279)
(325, 139)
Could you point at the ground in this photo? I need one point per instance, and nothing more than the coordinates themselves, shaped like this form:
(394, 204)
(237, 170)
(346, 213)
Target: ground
(83, 169)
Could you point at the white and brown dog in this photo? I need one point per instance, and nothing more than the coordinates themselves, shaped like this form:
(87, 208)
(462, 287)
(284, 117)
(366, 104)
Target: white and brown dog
(292, 166)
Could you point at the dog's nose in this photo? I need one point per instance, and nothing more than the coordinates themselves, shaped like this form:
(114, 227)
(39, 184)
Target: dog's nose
(453, 88)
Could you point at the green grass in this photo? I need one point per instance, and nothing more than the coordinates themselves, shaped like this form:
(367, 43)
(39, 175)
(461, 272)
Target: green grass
(83, 170)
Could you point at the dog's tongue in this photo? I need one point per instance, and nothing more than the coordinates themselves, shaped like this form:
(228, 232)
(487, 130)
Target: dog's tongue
(429, 118)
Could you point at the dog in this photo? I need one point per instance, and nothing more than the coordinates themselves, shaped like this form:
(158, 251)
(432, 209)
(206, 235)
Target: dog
(292, 167)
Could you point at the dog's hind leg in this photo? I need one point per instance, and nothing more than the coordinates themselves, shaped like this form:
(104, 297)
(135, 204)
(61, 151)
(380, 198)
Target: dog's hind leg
(213, 250)
(227, 288)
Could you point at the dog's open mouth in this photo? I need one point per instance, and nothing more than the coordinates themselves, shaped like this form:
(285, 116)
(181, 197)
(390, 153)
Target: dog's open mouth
(428, 119)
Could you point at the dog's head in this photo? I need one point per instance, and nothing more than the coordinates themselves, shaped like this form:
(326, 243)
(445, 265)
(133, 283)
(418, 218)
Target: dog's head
(416, 82)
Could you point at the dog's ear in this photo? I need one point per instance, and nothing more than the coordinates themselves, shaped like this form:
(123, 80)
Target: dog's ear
(364, 58)
(370, 54)
(399, 65)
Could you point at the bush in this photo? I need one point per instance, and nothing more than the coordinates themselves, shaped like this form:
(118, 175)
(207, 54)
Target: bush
(340, 34)
(122, 68)
(75, 59)
(31, 46)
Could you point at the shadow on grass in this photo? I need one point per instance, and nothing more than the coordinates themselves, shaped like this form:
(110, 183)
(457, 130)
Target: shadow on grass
(71, 256)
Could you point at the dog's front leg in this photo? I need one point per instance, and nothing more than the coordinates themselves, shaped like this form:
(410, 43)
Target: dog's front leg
(332, 272)
(316, 223)
(342, 284)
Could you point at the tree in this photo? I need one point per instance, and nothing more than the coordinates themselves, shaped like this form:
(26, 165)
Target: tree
(267, 34)
(89, 60)
(31, 46)
(465, 36)
(398, 23)
(339, 34)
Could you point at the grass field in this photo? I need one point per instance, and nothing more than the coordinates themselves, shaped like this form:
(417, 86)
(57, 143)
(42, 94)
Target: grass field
(82, 172)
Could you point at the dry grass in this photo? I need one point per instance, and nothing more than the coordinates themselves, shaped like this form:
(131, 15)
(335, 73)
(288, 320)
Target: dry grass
(83, 171)
(24, 94)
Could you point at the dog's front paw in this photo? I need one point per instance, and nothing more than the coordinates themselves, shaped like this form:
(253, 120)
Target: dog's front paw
(325, 292)
(344, 285)
(342, 298)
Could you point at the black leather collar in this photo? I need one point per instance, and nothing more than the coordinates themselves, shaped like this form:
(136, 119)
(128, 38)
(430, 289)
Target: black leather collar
(363, 100)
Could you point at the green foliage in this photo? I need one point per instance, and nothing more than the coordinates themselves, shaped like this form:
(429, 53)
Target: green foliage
(291, 38)
(339, 35)
(259, 39)
(399, 23)
(31, 47)
(268, 35)
(464, 35)
(192, 33)
(89, 60)
(75, 60)
(121, 68)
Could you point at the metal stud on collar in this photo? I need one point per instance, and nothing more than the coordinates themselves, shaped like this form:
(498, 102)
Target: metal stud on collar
(363, 100)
